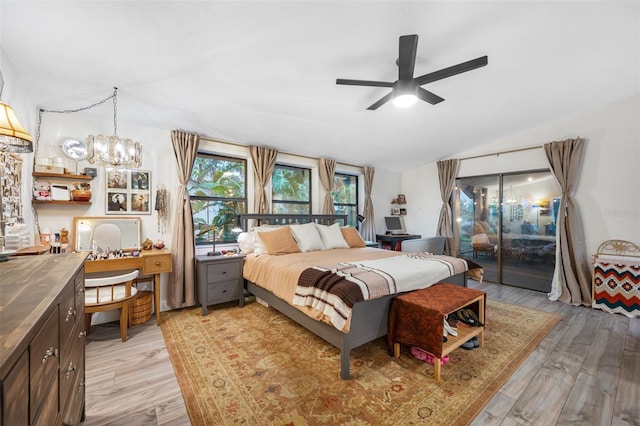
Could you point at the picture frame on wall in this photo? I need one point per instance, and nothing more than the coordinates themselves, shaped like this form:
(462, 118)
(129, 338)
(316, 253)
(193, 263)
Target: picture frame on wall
(128, 191)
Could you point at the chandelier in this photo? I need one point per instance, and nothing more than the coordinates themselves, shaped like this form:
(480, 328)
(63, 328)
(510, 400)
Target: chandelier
(113, 151)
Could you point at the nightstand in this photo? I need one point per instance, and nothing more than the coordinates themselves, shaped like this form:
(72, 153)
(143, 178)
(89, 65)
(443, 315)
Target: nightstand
(219, 279)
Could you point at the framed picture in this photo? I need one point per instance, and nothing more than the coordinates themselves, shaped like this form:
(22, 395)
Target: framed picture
(128, 191)
(395, 211)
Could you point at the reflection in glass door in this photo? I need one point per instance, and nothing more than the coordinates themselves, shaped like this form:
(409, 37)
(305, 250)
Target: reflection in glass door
(507, 223)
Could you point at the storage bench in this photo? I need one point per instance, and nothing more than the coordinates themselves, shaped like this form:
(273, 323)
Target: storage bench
(417, 319)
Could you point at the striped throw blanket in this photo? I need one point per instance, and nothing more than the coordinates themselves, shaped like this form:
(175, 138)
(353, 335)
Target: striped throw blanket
(334, 289)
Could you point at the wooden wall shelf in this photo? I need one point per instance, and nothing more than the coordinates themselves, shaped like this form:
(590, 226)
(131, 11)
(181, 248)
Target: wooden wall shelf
(62, 176)
(64, 202)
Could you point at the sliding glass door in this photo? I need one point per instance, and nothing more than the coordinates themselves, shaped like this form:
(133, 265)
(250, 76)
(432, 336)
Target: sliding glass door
(507, 223)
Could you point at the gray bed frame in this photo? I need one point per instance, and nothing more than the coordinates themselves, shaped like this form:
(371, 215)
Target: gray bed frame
(368, 318)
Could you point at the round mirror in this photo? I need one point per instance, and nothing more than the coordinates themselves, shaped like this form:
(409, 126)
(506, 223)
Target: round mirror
(75, 149)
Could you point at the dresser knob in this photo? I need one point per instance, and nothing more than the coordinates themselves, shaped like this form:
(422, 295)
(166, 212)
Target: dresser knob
(70, 313)
(157, 263)
(82, 334)
(48, 354)
(70, 369)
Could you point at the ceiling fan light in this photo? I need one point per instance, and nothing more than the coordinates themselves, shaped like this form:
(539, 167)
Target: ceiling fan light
(406, 100)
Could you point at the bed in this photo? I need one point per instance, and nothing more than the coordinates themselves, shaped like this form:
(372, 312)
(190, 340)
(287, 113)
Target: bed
(368, 318)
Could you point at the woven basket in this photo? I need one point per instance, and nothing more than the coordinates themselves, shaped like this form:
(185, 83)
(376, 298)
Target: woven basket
(140, 308)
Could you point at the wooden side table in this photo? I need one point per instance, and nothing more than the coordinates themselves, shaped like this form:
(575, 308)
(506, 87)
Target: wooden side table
(417, 319)
(219, 280)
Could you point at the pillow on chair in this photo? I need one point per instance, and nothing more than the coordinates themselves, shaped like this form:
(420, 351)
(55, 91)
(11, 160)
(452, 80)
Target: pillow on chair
(480, 239)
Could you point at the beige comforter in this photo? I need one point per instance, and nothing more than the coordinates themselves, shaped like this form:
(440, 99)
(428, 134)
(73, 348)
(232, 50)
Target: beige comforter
(279, 274)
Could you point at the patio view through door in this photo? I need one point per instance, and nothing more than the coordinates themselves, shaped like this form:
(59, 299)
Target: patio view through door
(507, 224)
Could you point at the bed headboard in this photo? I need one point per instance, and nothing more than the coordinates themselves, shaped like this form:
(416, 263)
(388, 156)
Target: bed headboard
(255, 219)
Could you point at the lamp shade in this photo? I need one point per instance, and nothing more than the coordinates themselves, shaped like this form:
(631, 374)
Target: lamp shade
(13, 137)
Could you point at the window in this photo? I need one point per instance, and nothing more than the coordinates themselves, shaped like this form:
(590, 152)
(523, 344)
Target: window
(291, 190)
(345, 196)
(218, 189)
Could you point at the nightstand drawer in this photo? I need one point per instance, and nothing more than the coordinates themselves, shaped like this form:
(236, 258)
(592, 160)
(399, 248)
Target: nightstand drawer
(223, 292)
(219, 280)
(222, 271)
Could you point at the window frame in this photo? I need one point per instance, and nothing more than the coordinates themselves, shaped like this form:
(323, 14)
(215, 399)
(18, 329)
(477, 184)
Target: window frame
(352, 221)
(275, 202)
(241, 200)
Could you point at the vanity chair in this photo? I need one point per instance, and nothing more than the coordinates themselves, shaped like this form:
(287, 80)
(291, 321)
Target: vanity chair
(106, 291)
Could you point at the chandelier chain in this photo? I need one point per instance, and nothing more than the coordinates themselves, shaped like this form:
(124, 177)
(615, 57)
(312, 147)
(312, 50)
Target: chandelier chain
(115, 110)
(71, 111)
(65, 111)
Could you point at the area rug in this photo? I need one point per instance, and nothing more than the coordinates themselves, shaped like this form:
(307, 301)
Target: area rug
(254, 366)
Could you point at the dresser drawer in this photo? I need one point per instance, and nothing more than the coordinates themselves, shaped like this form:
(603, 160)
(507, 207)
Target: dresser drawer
(223, 292)
(157, 263)
(71, 362)
(15, 407)
(222, 271)
(68, 315)
(43, 359)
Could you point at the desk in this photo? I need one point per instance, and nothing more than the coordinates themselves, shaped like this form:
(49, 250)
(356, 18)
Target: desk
(395, 240)
(151, 262)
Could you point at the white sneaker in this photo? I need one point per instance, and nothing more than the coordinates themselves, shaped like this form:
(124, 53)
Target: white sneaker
(448, 329)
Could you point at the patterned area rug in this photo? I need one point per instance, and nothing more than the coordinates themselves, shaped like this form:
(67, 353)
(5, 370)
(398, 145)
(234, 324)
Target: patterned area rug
(254, 366)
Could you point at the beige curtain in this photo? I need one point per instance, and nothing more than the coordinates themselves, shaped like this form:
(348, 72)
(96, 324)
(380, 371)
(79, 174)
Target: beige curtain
(572, 278)
(327, 169)
(181, 281)
(369, 226)
(447, 172)
(264, 161)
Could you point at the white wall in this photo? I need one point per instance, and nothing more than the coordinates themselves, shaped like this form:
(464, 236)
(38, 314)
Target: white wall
(607, 193)
(158, 158)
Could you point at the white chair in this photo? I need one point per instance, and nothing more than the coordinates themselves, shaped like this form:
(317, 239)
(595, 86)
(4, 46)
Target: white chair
(106, 291)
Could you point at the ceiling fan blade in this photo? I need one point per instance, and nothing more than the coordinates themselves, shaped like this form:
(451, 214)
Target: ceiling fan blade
(427, 96)
(363, 82)
(383, 100)
(407, 56)
(451, 71)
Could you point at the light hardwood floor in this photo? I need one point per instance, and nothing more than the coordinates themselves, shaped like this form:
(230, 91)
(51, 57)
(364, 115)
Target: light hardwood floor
(586, 371)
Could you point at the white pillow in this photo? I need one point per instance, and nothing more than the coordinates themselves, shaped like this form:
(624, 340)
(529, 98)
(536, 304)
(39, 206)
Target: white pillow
(307, 237)
(259, 245)
(246, 242)
(331, 236)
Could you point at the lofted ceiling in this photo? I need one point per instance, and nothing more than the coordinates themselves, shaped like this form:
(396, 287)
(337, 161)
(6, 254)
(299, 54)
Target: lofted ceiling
(264, 73)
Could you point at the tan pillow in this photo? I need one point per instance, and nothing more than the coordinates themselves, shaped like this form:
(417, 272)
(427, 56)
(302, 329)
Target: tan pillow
(279, 241)
(352, 237)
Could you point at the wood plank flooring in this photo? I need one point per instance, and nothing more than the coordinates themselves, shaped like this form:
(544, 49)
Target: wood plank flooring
(586, 371)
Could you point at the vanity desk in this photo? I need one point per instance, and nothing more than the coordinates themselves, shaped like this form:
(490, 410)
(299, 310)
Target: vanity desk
(149, 262)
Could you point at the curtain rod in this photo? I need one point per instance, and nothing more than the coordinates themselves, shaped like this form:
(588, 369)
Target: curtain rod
(501, 152)
(279, 152)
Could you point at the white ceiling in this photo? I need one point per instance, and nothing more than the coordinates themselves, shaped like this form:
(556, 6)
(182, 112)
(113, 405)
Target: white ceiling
(260, 72)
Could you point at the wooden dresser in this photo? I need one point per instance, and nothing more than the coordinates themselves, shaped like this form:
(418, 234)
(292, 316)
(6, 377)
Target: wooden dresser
(42, 340)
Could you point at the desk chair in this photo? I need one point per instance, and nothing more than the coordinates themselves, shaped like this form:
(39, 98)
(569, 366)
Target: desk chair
(106, 291)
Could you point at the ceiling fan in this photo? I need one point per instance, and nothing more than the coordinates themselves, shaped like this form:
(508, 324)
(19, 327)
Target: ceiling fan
(406, 90)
